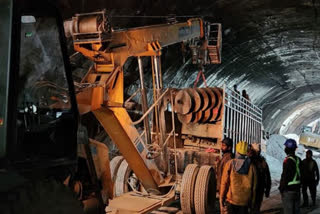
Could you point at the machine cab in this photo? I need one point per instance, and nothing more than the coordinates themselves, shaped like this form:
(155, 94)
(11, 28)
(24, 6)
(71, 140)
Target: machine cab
(38, 113)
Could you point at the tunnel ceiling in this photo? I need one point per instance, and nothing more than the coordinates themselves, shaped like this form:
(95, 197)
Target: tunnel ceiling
(271, 48)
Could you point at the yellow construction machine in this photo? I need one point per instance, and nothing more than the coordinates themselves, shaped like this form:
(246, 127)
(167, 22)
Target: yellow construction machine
(309, 138)
(172, 149)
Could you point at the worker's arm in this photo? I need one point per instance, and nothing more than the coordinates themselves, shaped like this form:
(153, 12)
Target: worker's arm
(267, 180)
(302, 171)
(225, 182)
(283, 180)
(316, 169)
(253, 185)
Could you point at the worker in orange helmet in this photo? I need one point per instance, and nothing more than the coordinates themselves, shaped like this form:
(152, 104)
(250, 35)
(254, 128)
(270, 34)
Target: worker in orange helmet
(239, 182)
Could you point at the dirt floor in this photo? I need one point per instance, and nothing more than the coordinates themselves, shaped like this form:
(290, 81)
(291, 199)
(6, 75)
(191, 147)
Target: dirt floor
(271, 205)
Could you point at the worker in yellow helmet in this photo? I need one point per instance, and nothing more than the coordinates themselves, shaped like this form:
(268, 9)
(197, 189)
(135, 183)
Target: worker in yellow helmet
(238, 183)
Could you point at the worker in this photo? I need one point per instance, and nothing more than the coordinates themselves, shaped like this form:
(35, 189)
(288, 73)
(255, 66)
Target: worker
(290, 179)
(245, 95)
(238, 182)
(310, 178)
(263, 172)
(226, 149)
(235, 89)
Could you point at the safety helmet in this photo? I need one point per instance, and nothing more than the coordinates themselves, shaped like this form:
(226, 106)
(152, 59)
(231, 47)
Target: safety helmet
(242, 147)
(290, 143)
(256, 147)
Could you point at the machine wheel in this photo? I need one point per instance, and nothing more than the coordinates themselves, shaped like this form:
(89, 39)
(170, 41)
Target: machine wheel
(48, 197)
(187, 188)
(114, 166)
(123, 174)
(205, 190)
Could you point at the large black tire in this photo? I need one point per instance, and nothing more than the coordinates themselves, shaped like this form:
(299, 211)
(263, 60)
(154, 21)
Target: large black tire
(187, 188)
(40, 197)
(205, 190)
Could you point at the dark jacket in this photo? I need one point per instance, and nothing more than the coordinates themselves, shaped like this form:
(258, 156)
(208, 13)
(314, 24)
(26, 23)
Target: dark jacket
(288, 174)
(225, 158)
(310, 171)
(264, 178)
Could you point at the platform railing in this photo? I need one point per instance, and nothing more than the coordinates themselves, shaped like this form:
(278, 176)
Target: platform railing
(242, 119)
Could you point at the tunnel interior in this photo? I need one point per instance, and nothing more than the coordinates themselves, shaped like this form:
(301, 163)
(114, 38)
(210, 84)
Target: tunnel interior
(270, 49)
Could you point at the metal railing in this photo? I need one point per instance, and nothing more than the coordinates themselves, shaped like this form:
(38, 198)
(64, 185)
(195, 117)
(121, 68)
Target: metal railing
(172, 133)
(242, 119)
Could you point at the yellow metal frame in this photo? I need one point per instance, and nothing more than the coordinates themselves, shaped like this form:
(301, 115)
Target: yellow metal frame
(106, 99)
(117, 124)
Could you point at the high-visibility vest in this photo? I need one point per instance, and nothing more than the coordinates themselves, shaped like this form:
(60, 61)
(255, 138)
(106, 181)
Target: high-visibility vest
(295, 180)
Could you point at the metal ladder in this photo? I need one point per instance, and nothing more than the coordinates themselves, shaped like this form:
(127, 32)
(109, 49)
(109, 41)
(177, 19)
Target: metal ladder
(214, 43)
(208, 51)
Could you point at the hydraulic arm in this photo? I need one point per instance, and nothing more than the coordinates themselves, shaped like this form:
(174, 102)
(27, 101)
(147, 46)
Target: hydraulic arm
(102, 87)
